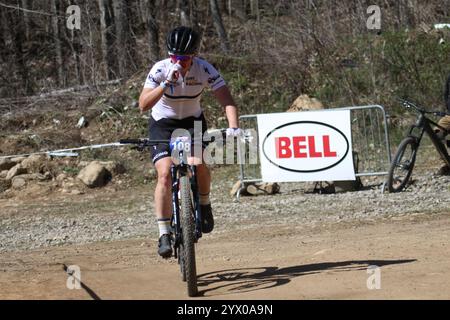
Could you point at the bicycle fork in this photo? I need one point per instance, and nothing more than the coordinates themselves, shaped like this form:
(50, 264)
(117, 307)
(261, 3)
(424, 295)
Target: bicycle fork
(175, 210)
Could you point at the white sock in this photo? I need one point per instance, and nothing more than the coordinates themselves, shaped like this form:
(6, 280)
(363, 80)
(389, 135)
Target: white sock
(164, 226)
(204, 199)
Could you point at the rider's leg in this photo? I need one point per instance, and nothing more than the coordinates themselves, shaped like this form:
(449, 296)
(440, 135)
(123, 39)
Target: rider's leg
(204, 179)
(163, 190)
(163, 205)
(203, 176)
(445, 123)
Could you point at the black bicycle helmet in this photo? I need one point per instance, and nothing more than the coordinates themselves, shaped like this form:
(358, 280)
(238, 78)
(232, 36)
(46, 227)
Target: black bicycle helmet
(182, 40)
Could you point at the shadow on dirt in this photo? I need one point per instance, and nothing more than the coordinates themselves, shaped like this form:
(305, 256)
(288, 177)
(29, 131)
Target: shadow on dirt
(88, 290)
(250, 279)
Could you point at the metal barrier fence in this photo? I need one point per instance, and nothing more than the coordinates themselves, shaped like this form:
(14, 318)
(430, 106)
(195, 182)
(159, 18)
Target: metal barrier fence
(370, 142)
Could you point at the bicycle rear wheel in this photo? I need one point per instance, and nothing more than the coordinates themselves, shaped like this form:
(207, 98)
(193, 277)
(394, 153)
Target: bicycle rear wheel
(402, 165)
(187, 251)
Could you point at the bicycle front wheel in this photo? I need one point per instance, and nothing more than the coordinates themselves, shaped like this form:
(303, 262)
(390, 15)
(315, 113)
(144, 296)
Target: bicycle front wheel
(402, 165)
(188, 237)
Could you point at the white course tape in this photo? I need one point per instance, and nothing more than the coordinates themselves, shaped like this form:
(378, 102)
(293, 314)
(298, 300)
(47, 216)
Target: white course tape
(66, 152)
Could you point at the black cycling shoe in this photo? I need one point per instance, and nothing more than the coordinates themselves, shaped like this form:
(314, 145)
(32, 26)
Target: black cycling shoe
(207, 218)
(165, 246)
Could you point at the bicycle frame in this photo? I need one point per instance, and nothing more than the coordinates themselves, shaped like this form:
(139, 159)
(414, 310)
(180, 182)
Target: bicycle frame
(423, 124)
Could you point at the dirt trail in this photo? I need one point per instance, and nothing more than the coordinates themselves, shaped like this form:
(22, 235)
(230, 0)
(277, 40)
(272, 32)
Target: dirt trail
(265, 263)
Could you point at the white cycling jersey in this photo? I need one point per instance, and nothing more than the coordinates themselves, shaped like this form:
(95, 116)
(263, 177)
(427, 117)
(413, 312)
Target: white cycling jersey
(183, 100)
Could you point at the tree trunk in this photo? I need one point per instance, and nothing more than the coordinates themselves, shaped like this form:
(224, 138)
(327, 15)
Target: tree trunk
(15, 26)
(413, 13)
(193, 5)
(120, 23)
(400, 13)
(163, 6)
(57, 43)
(5, 27)
(149, 9)
(106, 22)
(217, 20)
(26, 17)
(238, 7)
(254, 9)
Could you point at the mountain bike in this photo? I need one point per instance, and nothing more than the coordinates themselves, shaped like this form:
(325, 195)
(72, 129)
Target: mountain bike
(404, 159)
(186, 218)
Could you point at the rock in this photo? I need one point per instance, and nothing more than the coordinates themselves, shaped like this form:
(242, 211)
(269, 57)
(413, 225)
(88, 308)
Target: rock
(269, 188)
(303, 103)
(82, 164)
(18, 182)
(255, 188)
(113, 167)
(15, 171)
(94, 175)
(61, 177)
(251, 189)
(3, 174)
(32, 161)
(4, 185)
(6, 164)
(67, 185)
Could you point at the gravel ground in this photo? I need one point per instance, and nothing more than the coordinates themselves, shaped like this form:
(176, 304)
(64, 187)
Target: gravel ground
(102, 215)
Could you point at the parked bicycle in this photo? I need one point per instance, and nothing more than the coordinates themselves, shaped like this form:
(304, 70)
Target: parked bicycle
(186, 218)
(404, 159)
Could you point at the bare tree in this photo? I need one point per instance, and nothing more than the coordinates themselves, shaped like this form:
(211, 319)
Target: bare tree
(25, 4)
(120, 23)
(106, 21)
(149, 11)
(254, 9)
(72, 38)
(57, 43)
(193, 8)
(238, 7)
(15, 27)
(217, 20)
(6, 33)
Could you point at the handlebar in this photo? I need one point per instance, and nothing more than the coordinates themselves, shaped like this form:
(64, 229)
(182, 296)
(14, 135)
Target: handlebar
(142, 143)
(408, 104)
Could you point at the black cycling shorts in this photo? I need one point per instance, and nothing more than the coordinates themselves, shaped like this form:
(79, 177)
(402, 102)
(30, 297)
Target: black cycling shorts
(163, 129)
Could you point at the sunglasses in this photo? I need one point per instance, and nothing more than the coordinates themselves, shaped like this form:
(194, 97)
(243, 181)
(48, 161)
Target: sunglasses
(175, 57)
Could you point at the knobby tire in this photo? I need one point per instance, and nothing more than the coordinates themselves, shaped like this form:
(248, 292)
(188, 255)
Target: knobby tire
(188, 233)
(403, 162)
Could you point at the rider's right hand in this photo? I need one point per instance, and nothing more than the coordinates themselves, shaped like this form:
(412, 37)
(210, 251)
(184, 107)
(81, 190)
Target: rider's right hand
(174, 73)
